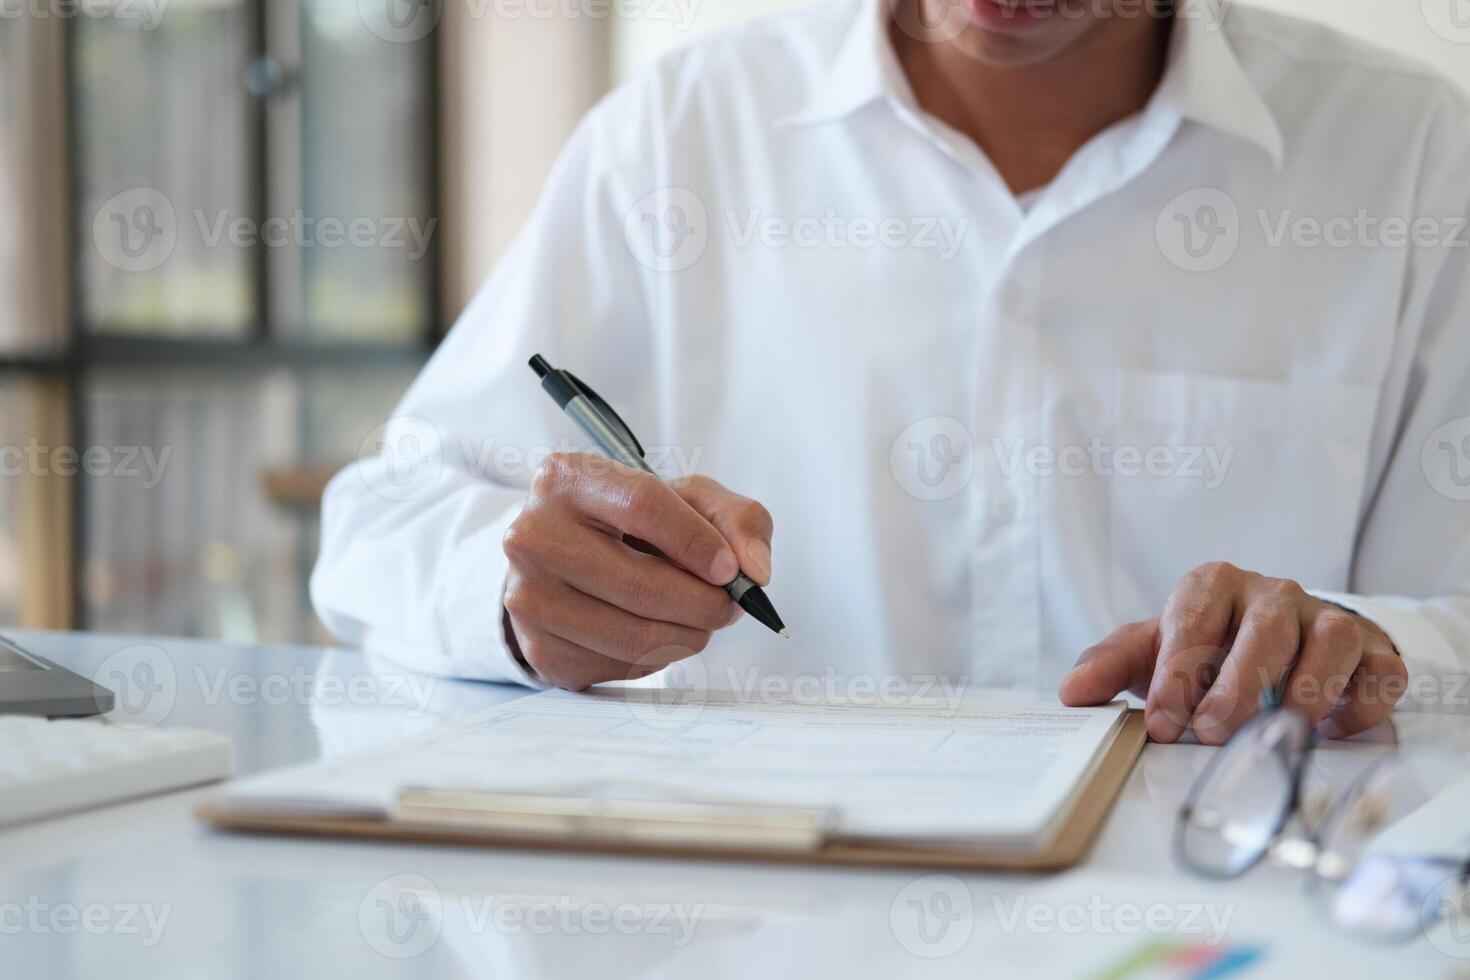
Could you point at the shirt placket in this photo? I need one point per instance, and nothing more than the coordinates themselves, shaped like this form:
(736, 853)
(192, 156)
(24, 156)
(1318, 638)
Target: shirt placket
(1006, 499)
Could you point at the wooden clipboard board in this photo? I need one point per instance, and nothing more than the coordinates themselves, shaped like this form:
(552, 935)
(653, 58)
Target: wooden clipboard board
(1067, 848)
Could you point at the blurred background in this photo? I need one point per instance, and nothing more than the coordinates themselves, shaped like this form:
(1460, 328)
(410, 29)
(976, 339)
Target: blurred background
(232, 230)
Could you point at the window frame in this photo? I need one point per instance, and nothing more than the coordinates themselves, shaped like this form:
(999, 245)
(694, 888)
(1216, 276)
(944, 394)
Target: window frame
(84, 351)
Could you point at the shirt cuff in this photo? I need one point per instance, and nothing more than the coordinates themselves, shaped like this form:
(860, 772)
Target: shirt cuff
(1427, 654)
(471, 618)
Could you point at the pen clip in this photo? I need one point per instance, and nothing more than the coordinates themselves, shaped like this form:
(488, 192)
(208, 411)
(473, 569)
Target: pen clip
(608, 413)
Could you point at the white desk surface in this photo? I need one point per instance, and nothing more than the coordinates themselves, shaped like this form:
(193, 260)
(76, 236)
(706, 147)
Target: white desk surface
(143, 890)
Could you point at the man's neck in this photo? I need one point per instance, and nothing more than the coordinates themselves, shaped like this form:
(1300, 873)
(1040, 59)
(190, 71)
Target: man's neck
(1031, 120)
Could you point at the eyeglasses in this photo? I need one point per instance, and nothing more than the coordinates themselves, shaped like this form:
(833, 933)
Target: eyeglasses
(1377, 855)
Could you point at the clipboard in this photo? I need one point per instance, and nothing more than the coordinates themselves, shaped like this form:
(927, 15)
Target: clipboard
(694, 830)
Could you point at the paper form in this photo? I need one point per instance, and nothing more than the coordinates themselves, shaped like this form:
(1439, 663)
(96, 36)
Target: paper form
(929, 769)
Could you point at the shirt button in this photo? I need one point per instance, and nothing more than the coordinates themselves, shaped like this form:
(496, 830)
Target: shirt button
(1002, 508)
(1013, 299)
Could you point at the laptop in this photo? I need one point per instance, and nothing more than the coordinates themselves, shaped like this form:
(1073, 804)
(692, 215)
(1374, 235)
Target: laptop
(33, 685)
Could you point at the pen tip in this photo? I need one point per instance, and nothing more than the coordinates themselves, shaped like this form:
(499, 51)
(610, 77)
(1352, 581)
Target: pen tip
(786, 633)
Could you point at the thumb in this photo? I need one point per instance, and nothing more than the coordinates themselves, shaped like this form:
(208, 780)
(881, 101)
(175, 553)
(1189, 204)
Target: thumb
(745, 524)
(1122, 662)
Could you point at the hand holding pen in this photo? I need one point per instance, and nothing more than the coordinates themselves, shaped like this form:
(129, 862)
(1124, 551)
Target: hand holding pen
(585, 600)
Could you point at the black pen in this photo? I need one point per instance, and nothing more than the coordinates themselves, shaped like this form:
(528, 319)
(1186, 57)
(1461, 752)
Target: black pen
(612, 435)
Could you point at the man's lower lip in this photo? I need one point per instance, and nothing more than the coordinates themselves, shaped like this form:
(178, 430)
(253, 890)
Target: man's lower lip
(1002, 16)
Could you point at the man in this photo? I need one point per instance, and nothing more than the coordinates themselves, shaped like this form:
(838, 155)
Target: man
(1029, 327)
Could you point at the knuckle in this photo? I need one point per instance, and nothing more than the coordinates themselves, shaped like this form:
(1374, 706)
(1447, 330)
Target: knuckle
(519, 540)
(1337, 631)
(641, 593)
(714, 612)
(644, 495)
(640, 640)
(536, 654)
(1215, 573)
(755, 516)
(1275, 623)
(520, 600)
(697, 481)
(552, 474)
(698, 545)
(1191, 623)
(1286, 589)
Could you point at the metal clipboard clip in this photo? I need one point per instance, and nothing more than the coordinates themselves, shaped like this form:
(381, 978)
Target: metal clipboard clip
(592, 818)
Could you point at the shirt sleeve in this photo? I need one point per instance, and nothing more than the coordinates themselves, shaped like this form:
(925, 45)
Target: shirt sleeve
(1411, 571)
(411, 560)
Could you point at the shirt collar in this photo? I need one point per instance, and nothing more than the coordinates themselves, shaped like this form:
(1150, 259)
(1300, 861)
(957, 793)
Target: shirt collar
(864, 70)
(1203, 80)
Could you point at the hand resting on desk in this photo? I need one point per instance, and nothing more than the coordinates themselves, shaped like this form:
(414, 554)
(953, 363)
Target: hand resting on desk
(1228, 635)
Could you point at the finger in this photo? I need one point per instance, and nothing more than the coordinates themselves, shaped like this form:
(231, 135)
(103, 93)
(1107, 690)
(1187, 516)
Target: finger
(605, 568)
(641, 505)
(618, 634)
(1332, 648)
(1194, 630)
(563, 664)
(1377, 685)
(1264, 650)
(743, 522)
(1122, 662)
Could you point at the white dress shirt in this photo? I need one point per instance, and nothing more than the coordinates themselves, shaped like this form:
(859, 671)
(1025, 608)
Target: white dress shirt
(1235, 327)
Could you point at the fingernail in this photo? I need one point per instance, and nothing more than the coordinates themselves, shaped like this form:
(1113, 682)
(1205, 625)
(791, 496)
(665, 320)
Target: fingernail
(759, 555)
(1073, 674)
(1207, 723)
(726, 567)
(1329, 729)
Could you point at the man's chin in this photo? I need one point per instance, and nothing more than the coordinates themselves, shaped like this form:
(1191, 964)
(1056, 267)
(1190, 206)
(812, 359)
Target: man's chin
(1040, 44)
(998, 34)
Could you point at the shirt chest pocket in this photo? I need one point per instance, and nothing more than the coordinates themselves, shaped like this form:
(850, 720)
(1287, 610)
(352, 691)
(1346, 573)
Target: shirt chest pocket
(1266, 475)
